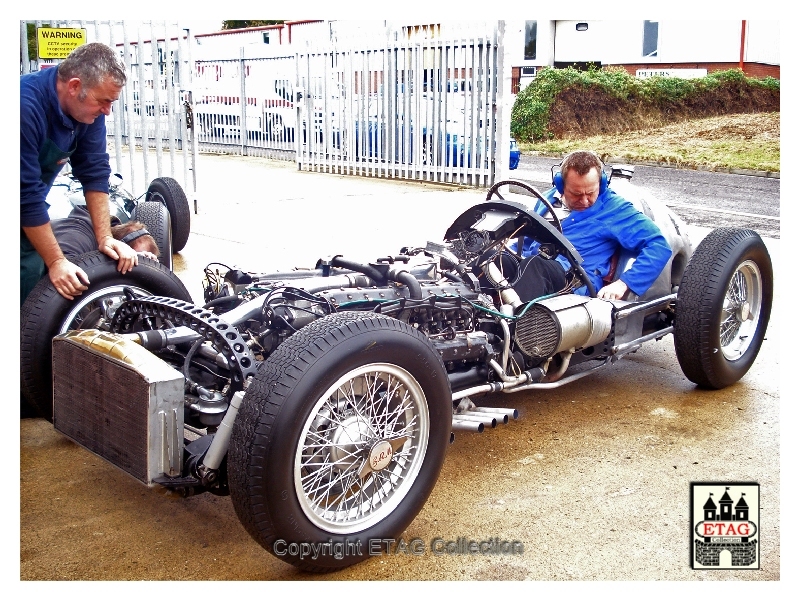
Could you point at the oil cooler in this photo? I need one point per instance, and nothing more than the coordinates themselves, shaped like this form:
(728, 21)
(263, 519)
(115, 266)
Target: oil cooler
(119, 401)
(567, 322)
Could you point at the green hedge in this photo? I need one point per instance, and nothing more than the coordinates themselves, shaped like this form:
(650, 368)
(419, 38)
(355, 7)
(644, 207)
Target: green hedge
(670, 96)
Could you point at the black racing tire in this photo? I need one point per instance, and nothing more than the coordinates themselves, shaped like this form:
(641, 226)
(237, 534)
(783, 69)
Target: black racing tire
(170, 193)
(156, 219)
(531, 191)
(46, 313)
(290, 470)
(723, 307)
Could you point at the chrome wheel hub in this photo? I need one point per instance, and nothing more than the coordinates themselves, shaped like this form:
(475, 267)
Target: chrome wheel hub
(740, 310)
(380, 455)
(348, 442)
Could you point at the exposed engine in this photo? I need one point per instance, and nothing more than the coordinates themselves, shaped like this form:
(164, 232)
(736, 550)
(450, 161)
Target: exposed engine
(459, 293)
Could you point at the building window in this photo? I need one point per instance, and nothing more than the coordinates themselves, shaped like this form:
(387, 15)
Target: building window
(650, 39)
(530, 40)
(266, 37)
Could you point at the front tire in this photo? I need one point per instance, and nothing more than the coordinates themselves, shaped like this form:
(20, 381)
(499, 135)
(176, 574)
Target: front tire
(723, 307)
(170, 193)
(340, 438)
(46, 313)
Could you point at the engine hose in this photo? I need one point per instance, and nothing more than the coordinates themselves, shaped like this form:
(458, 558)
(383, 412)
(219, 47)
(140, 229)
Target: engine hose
(367, 270)
(453, 276)
(406, 278)
(587, 282)
(188, 360)
(222, 300)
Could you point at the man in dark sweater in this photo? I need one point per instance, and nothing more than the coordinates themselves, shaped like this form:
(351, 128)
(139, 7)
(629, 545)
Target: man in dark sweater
(62, 117)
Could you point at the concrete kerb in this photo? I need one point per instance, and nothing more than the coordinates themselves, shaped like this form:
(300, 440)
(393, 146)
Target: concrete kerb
(711, 169)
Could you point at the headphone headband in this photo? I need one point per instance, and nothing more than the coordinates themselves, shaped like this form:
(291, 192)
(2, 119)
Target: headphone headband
(558, 177)
(134, 235)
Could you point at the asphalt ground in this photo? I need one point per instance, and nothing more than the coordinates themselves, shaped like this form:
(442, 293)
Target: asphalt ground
(593, 478)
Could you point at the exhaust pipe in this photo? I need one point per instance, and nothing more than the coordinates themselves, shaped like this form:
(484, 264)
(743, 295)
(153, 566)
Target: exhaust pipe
(473, 426)
(508, 413)
(500, 419)
(487, 420)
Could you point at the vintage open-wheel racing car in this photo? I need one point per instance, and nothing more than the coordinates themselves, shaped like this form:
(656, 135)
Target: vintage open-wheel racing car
(323, 399)
(164, 208)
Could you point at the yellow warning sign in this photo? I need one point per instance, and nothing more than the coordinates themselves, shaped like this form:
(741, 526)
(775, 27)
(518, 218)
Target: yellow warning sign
(58, 43)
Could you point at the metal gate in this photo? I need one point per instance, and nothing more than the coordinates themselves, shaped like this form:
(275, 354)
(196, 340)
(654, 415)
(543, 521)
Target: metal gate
(420, 110)
(153, 115)
(246, 105)
(428, 110)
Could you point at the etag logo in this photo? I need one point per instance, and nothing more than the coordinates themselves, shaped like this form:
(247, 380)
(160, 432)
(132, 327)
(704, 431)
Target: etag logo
(725, 530)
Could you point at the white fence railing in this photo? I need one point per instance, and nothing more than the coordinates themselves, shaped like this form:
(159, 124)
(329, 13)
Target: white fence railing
(413, 110)
(264, 123)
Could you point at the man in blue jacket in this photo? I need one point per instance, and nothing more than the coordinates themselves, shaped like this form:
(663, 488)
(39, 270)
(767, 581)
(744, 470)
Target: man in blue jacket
(600, 222)
(62, 117)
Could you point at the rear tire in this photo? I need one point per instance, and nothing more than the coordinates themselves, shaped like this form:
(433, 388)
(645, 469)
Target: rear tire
(156, 220)
(170, 193)
(46, 313)
(340, 437)
(723, 307)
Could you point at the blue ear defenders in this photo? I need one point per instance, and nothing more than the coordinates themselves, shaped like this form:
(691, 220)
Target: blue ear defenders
(558, 179)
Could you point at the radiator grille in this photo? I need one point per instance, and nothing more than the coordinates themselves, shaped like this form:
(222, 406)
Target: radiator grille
(538, 333)
(92, 405)
(125, 413)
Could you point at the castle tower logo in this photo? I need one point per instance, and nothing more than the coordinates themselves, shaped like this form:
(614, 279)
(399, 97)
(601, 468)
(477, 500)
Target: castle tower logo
(724, 525)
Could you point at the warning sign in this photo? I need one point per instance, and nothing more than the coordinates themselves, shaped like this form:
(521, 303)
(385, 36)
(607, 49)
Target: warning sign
(58, 43)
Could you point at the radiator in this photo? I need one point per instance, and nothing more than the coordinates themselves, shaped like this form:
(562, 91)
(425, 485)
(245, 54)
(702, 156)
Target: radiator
(120, 402)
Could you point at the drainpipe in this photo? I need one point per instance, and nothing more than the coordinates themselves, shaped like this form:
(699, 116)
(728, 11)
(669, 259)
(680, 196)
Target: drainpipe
(741, 48)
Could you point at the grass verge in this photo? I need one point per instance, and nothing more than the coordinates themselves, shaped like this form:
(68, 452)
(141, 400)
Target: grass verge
(743, 141)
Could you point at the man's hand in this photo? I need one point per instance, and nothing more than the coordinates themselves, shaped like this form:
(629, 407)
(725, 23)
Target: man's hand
(119, 251)
(68, 279)
(97, 204)
(613, 291)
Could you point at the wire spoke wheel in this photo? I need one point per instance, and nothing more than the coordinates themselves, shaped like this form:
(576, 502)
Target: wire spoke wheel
(740, 310)
(723, 307)
(361, 448)
(340, 437)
